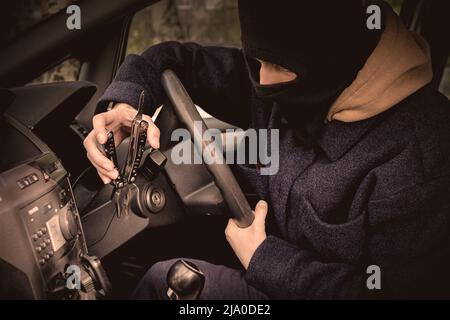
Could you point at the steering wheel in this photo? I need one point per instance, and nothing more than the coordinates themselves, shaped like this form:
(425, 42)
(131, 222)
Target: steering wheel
(187, 113)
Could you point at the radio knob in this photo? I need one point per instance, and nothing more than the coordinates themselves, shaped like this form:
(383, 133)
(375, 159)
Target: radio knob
(68, 225)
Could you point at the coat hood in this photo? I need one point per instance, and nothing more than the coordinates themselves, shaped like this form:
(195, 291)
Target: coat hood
(399, 66)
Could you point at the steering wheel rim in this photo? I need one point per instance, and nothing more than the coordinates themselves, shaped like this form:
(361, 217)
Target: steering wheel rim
(187, 113)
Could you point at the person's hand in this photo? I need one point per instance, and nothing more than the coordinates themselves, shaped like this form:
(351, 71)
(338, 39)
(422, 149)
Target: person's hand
(245, 241)
(118, 120)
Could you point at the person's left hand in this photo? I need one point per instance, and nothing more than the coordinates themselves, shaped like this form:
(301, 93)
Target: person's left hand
(245, 241)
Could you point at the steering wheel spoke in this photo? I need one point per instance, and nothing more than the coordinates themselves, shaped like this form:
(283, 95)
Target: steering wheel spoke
(189, 116)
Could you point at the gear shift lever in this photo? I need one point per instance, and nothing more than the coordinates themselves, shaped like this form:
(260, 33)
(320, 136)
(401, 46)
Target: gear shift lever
(185, 281)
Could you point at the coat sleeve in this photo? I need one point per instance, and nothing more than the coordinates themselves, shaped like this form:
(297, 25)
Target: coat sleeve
(407, 238)
(215, 77)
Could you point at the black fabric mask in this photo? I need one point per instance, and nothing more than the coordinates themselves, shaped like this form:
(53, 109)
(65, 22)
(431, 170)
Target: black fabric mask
(302, 110)
(325, 43)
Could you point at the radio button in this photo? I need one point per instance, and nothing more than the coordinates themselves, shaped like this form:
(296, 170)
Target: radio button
(33, 210)
(21, 184)
(48, 207)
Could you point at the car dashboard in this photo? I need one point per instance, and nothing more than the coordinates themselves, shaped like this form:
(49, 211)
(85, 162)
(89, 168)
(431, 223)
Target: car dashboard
(43, 252)
(57, 220)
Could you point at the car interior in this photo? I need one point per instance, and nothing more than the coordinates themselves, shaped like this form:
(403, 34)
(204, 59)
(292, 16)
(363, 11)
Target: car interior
(55, 211)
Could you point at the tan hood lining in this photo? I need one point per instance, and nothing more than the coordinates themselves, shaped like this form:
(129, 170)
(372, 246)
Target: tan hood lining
(399, 66)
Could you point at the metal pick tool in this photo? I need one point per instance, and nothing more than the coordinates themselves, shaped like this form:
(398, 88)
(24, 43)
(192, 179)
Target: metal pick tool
(121, 197)
(136, 148)
(137, 143)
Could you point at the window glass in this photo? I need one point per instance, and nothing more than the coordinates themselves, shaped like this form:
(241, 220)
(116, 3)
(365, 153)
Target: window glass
(209, 22)
(67, 70)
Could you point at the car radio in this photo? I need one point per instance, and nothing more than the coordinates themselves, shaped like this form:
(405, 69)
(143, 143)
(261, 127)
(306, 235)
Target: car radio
(43, 254)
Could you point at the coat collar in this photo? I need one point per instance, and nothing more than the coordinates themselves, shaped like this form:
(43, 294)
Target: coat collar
(337, 137)
(334, 138)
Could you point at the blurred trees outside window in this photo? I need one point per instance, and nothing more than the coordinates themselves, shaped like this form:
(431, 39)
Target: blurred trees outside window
(209, 22)
(28, 13)
(68, 70)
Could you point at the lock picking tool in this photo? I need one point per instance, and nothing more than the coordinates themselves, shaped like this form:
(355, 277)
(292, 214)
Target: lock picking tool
(136, 147)
(137, 142)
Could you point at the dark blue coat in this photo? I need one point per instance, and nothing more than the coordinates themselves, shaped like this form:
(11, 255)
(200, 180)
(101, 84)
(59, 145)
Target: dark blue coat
(372, 192)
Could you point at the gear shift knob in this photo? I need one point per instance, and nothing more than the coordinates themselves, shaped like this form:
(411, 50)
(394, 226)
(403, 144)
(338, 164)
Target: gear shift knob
(185, 281)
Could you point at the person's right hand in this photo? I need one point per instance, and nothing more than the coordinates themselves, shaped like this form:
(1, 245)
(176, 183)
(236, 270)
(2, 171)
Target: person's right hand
(118, 120)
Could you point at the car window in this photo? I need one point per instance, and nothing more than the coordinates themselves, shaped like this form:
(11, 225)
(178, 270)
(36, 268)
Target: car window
(208, 22)
(68, 70)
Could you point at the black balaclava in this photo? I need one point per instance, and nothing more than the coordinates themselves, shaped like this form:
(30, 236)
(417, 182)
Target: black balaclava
(325, 43)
